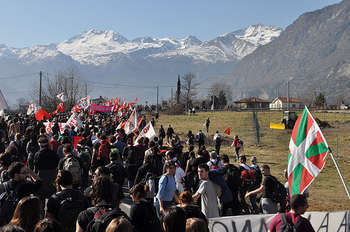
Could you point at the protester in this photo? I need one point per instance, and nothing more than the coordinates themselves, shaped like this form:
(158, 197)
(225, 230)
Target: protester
(174, 220)
(169, 134)
(167, 189)
(143, 214)
(207, 124)
(267, 204)
(218, 140)
(66, 204)
(120, 224)
(238, 144)
(299, 206)
(200, 137)
(214, 162)
(191, 210)
(196, 225)
(209, 192)
(27, 213)
(71, 163)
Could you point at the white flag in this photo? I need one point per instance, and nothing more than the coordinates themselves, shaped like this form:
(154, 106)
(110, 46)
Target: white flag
(62, 97)
(75, 121)
(148, 132)
(33, 108)
(84, 103)
(131, 124)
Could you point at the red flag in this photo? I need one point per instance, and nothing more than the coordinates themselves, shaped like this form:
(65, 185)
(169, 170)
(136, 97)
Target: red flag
(228, 130)
(60, 107)
(42, 114)
(76, 139)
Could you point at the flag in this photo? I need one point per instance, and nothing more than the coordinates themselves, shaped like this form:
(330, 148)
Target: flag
(228, 131)
(33, 108)
(76, 139)
(75, 121)
(84, 103)
(279, 126)
(131, 124)
(147, 131)
(62, 97)
(60, 107)
(307, 153)
(42, 114)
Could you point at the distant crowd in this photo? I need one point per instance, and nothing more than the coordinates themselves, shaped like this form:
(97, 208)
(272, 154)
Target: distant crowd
(75, 179)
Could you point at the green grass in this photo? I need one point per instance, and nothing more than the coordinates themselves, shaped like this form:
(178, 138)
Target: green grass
(326, 192)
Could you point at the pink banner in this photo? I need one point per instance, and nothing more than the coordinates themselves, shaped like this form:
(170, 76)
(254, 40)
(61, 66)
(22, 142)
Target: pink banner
(99, 108)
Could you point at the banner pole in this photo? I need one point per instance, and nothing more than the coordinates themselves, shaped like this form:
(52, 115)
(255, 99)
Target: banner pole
(339, 172)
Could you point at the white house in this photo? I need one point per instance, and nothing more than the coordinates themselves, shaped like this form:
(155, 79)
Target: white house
(281, 103)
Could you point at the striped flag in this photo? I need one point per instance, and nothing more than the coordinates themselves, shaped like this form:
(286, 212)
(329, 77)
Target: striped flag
(307, 153)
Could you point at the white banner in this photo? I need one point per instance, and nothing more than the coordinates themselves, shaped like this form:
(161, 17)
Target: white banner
(49, 125)
(321, 222)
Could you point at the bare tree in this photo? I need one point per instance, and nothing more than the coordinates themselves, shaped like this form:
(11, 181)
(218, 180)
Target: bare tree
(218, 87)
(68, 82)
(189, 88)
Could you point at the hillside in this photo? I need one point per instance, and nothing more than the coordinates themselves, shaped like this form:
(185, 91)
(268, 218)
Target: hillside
(313, 53)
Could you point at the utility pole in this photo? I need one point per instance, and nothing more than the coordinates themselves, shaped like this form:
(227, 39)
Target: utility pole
(157, 98)
(85, 89)
(72, 89)
(288, 94)
(40, 86)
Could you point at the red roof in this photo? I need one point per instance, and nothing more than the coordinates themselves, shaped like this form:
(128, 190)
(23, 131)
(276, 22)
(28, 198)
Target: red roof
(291, 100)
(252, 99)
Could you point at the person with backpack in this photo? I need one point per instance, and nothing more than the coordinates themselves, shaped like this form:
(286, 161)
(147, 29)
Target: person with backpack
(98, 217)
(217, 139)
(238, 145)
(267, 188)
(116, 168)
(169, 134)
(207, 124)
(166, 189)
(16, 188)
(84, 156)
(292, 221)
(143, 214)
(130, 156)
(232, 176)
(256, 183)
(45, 166)
(71, 163)
(66, 204)
(214, 162)
(200, 138)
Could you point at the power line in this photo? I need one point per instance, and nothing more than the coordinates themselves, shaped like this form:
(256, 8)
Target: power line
(18, 76)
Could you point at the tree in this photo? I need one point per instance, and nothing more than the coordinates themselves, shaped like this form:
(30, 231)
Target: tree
(67, 82)
(178, 90)
(189, 89)
(320, 100)
(222, 93)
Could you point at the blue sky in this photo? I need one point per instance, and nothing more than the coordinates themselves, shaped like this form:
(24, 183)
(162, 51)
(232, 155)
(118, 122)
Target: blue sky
(30, 22)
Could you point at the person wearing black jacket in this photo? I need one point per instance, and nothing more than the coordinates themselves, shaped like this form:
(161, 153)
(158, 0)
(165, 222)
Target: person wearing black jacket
(66, 204)
(45, 166)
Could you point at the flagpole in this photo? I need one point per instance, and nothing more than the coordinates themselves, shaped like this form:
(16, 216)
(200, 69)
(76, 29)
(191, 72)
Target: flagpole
(339, 172)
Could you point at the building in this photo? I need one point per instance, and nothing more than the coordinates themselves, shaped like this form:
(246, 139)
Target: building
(281, 103)
(99, 101)
(252, 103)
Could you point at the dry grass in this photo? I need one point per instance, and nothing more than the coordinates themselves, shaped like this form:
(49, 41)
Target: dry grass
(326, 193)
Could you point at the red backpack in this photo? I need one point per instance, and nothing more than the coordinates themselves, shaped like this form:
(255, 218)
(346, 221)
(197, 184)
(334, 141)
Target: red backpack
(248, 177)
(214, 165)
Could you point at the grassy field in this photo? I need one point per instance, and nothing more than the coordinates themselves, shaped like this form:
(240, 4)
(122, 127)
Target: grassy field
(326, 192)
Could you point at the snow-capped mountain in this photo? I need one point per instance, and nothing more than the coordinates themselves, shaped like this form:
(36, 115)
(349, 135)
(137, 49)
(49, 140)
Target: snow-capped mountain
(111, 57)
(99, 47)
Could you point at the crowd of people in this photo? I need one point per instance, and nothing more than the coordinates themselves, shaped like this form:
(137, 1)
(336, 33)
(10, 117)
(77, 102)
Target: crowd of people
(49, 181)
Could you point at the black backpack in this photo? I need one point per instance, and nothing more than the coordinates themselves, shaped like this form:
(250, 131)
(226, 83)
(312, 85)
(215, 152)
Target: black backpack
(288, 226)
(279, 193)
(118, 172)
(102, 218)
(71, 204)
(8, 203)
(233, 177)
